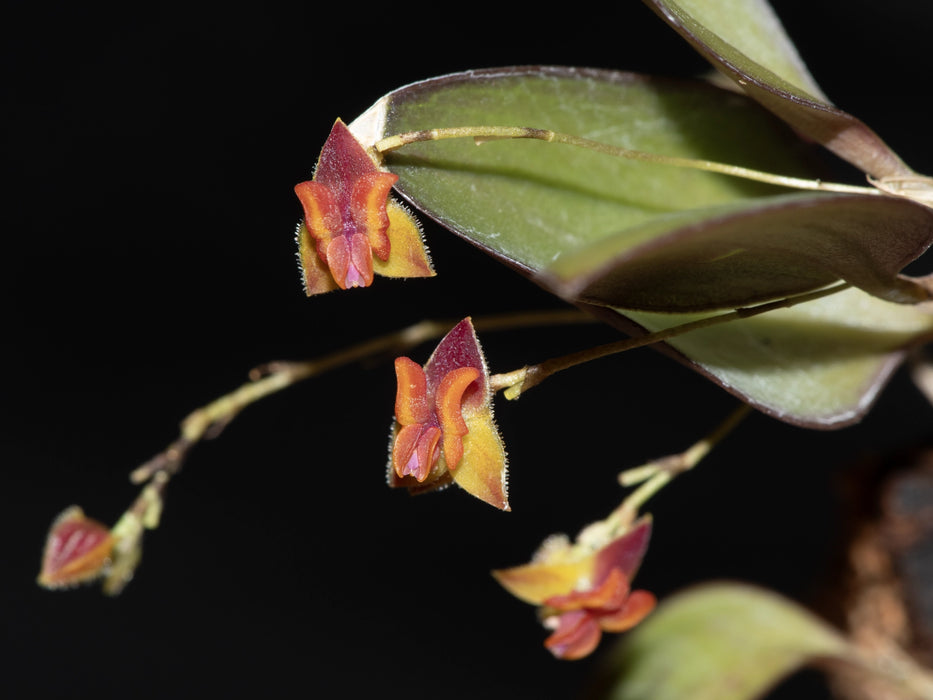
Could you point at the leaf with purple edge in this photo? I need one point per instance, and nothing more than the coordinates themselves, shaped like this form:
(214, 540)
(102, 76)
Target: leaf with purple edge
(558, 214)
(745, 41)
(739, 255)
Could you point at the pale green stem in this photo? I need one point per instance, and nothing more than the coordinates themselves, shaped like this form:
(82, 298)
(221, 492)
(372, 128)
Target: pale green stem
(655, 475)
(690, 457)
(662, 471)
(905, 678)
(209, 420)
(481, 134)
(521, 380)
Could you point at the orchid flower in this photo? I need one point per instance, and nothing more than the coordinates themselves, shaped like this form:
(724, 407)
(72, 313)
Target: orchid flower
(77, 550)
(584, 591)
(444, 429)
(352, 228)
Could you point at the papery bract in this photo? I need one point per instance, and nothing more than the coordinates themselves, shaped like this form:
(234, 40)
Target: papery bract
(444, 429)
(583, 591)
(77, 549)
(352, 228)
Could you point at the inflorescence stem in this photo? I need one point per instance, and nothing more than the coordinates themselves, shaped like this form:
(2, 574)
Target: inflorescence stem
(657, 474)
(653, 477)
(521, 380)
(482, 134)
(208, 421)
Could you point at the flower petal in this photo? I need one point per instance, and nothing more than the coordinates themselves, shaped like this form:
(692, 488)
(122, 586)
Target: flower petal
(634, 610)
(368, 209)
(448, 402)
(320, 225)
(411, 401)
(322, 214)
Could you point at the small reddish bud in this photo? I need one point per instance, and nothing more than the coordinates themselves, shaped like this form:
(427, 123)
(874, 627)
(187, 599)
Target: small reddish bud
(77, 550)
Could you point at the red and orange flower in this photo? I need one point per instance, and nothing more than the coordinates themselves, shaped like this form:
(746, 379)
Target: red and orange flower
(77, 550)
(352, 228)
(583, 592)
(444, 430)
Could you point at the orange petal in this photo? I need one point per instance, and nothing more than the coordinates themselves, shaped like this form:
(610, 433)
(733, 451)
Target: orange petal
(368, 209)
(634, 610)
(76, 550)
(577, 635)
(411, 398)
(322, 221)
(448, 402)
(414, 451)
(322, 216)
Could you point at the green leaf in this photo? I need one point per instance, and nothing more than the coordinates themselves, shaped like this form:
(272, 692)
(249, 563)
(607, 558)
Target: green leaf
(528, 202)
(623, 232)
(719, 642)
(820, 364)
(736, 255)
(746, 31)
(569, 216)
(745, 41)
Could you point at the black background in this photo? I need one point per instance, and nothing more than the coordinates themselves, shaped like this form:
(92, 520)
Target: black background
(148, 217)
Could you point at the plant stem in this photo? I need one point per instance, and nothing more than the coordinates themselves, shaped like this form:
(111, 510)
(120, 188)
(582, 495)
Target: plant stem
(657, 474)
(481, 134)
(208, 421)
(903, 676)
(521, 380)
